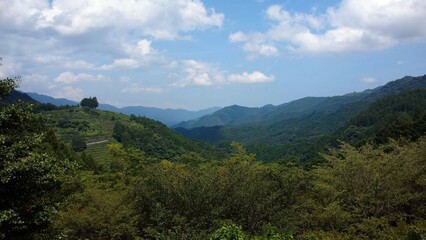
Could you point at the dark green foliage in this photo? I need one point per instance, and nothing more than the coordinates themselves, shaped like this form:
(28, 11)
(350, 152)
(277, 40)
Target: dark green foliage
(359, 193)
(156, 139)
(89, 102)
(35, 169)
(304, 127)
(7, 86)
(397, 116)
(206, 134)
(158, 185)
(78, 144)
(16, 96)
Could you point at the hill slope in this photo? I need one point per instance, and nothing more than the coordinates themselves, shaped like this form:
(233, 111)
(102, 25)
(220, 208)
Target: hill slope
(306, 117)
(55, 101)
(166, 116)
(152, 137)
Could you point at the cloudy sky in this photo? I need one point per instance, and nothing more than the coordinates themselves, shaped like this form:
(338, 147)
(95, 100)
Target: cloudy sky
(196, 54)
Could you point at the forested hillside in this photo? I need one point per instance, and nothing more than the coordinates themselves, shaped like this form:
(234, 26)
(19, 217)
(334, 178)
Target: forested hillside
(304, 127)
(166, 116)
(78, 124)
(155, 184)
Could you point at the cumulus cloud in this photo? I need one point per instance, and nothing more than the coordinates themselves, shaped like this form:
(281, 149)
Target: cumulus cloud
(69, 78)
(160, 19)
(35, 82)
(68, 92)
(352, 25)
(196, 73)
(79, 64)
(199, 74)
(238, 37)
(121, 63)
(97, 35)
(131, 86)
(137, 88)
(254, 77)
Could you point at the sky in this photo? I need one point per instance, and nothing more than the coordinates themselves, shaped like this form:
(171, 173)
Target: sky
(196, 54)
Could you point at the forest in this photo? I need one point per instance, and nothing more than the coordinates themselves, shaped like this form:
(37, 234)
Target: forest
(366, 179)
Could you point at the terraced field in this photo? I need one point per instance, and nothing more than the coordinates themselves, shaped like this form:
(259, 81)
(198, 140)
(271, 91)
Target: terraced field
(92, 125)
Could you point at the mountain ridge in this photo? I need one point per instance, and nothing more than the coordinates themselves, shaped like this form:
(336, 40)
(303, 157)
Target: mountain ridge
(305, 117)
(167, 116)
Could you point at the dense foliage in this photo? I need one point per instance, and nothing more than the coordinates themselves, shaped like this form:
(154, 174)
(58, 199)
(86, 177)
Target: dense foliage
(91, 102)
(35, 170)
(399, 115)
(362, 193)
(155, 184)
(304, 127)
(156, 139)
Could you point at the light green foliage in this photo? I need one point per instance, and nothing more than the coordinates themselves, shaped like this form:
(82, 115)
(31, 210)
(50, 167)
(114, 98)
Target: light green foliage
(100, 211)
(228, 232)
(369, 191)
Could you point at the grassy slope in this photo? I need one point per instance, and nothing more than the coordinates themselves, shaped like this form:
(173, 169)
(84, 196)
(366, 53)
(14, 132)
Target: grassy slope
(92, 125)
(152, 137)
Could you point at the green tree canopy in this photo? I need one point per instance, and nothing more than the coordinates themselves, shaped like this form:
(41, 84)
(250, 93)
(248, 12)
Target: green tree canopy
(34, 170)
(91, 102)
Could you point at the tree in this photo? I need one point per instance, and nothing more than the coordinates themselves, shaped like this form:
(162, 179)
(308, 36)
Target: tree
(78, 144)
(34, 170)
(89, 102)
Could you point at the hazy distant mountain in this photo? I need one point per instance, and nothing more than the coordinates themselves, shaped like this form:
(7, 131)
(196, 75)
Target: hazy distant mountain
(306, 117)
(17, 95)
(55, 101)
(166, 116)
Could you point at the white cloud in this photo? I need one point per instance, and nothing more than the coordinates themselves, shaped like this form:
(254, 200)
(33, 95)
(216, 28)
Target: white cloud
(34, 82)
(9, 67)
(369, 80)
(238, 37)
(79, 64)
(160, 19)
(254, 49)
(144, 47)
(69, 92)
(96, 35)
(197, 73)
(139, 54)
(353, 25)
(121, 63)
(254, 77)
(137, 88)
(70, 78)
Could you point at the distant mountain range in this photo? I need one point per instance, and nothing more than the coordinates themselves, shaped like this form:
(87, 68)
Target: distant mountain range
(303, 118)
(55, 101)
(166, 116)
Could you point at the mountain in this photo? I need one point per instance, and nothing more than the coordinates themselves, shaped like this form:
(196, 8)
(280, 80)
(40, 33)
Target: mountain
(105, 127)
(304, 118)
(55, 101)
(17, 96)
(395, 116)
(166, 116)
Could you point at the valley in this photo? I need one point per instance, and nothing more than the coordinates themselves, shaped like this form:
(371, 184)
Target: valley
(255, 173)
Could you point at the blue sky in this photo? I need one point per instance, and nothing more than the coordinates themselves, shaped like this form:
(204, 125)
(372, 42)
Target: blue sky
(196, 54)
